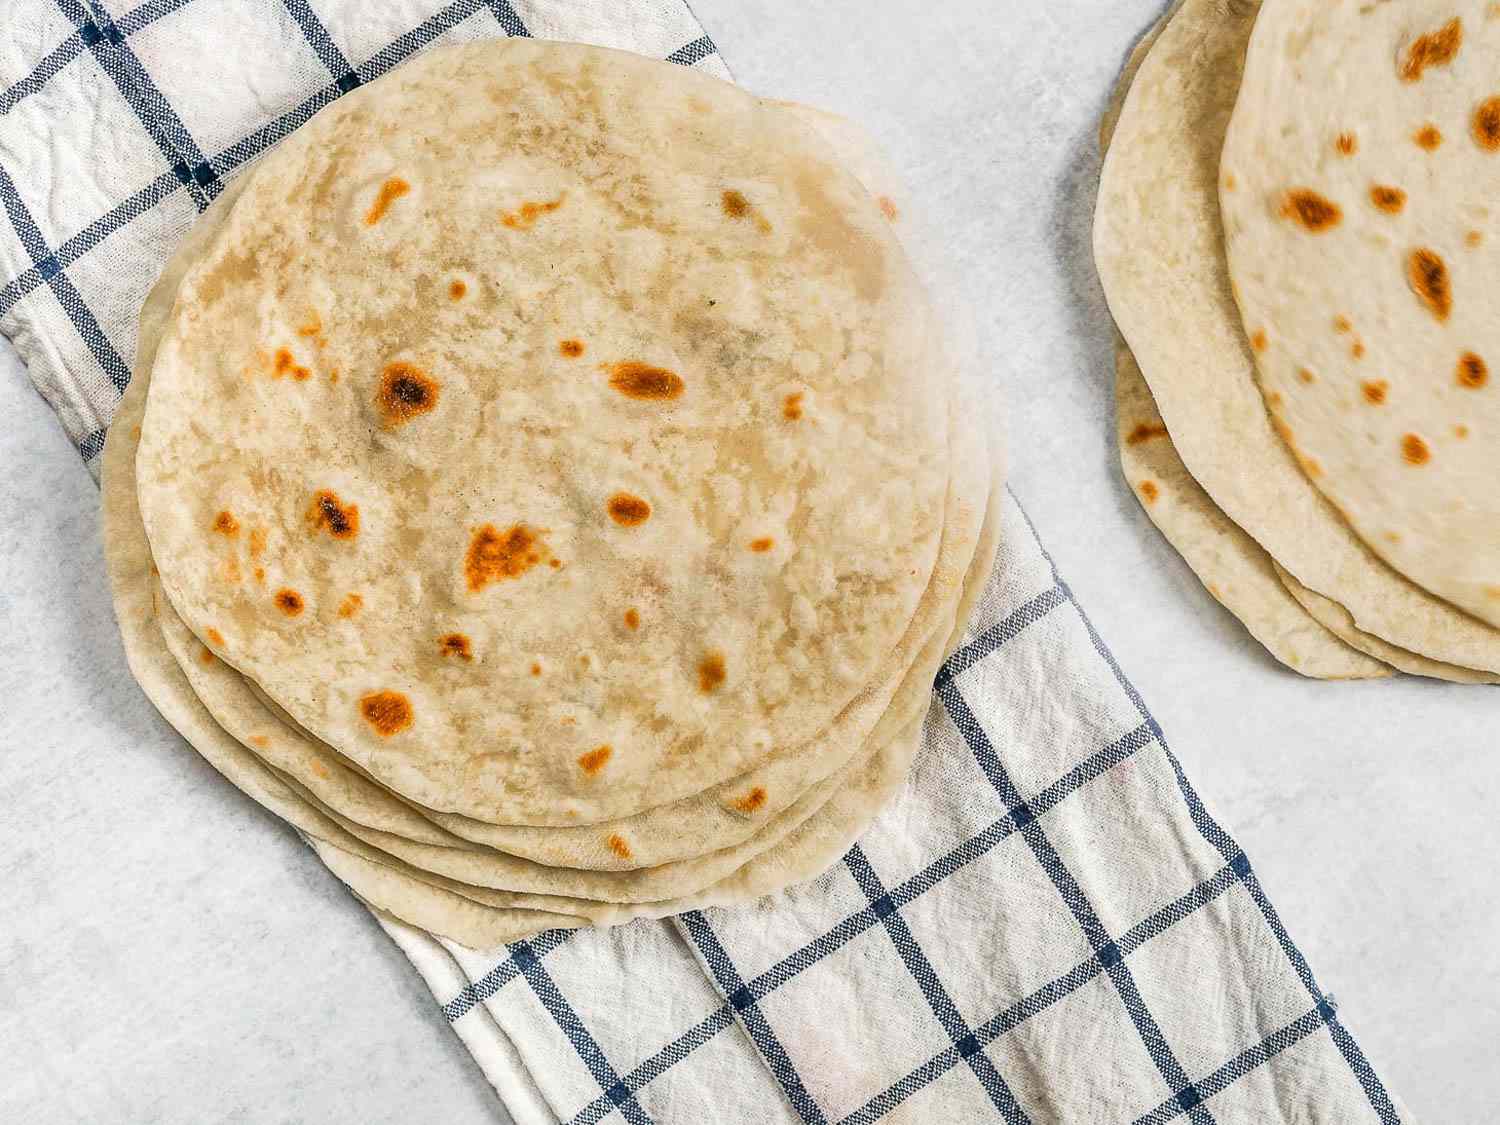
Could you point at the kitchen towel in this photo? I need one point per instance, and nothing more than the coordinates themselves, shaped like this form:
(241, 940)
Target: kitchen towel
(1046, 926)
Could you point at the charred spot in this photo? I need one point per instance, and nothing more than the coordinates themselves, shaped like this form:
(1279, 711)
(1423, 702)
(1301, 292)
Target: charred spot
(1357, 349)
(226, 524)
(627, 510)
(313, 327)
(1314, 212)
(1146, 431)
(389, 712)
(390, 191)
(260, 574)
(570, 349)
(1461, 431)
(1347, 144)
(711, 672)
(1473, 372)
(536, 669)
(594, 761)
(888, 207)
(1374, 391)
(1414, 450)
(1485, 125)
(762, 545)
(285, 363)
(753, 800)
(1428, 137)
(1311, 466)
(405, 392)
(495, 555)
(215, 637)
(1428, 275)
(455, 644)
(328, 513)
(1342, 324)
(618, 845)
(1150, 491)
(632, 619)
(735, 205)
(1306, 376)
(525, 216)
(351, 605)
(289, 601)
(457, 288)
(1391, 200)
(644, 381)
(1258, 340)
(1436, 48)
(1473, 239)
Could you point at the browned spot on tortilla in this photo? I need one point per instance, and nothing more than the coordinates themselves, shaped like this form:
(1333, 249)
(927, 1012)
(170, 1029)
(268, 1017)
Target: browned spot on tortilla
(618, 845)
(231, 568)
(215, 637)
(226, 524)
(389, 712)
(584, 661)
(289, 601)
(791, 407)
(1374, 391)
(260, 742)
(1461, 431)
(319, 768)
(257, 542)
(525, 216)
(711, 672)
(1427, 274)
(632, 619)
(205, 655)
(405, 392)
(593, 761)
(736, 206)
(1150, 491)
(1341, 324)
(1473, 238)
(555, 564)
(1315, 212)
(1492, 592)
(1428, 137)
(643, 380)
(1473, 372)
(762, 545)
(135, 431)
(154, 571)
(888, 207)
(390, 191)
(1258, 340)
(495, 555)
(1306, 376)
(1230, 183)
(536, 669)
(1357, 349)
(455, 644)
(1273, 400)
(1436, 48)
(285, 363)
(1485, 126)
(1347, 144)
(571, 349)
(314, 327)
(1311, 466)
(755, 799)
(351, 605)
(1414, 450)
(1144, 432)
(328, 513)
(260, 574)
(1391, 200)
(1393, 537)
(457, 288)
(1284, 431)
(627, 510)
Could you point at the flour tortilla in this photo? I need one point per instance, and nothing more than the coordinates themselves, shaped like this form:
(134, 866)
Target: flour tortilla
(1232, 566)
(745, 306)
(659, 836)
(1336, 618)
(1158, 245)
(1400, 427)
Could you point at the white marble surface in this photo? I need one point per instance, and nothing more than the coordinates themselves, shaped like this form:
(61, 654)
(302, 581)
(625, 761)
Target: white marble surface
(168, 953)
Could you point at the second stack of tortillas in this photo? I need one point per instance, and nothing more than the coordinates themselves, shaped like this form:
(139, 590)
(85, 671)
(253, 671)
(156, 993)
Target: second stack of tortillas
(1303, 405)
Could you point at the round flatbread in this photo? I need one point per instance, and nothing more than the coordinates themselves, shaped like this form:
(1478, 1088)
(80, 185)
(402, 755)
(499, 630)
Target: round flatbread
(1365, 157)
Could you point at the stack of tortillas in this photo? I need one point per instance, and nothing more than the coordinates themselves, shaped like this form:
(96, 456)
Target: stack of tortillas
(547, 484)
(1299, 239)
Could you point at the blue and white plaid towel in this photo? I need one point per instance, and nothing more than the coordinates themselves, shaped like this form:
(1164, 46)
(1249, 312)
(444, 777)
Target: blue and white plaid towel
(1046, 926)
